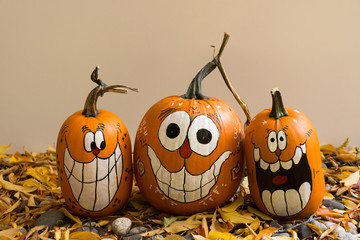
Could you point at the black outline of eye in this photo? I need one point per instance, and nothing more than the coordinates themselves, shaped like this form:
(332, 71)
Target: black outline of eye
(280, 142)
(172, 144)
(275, 142)
(195, 145)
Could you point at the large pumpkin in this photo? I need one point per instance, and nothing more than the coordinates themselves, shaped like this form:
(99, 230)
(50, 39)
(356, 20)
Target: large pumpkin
(283, 162)
(188, 154)
(94, 157)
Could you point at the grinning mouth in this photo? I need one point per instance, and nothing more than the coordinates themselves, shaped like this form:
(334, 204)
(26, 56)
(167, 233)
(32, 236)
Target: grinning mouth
(95, 183)
(183, 186)
(285, 186)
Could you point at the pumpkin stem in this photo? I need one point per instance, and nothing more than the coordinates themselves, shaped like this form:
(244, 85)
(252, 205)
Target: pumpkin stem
(278, 110)
(243, 105)
(90, 109)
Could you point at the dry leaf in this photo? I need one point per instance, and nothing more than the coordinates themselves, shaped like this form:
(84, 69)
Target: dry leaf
(351, 179)
(179, 226)
(259, 213)
(84, 235)
(236, 217)
(265, 233)
(13, 187)
(213, 235)
(9, 233)
(234, 205)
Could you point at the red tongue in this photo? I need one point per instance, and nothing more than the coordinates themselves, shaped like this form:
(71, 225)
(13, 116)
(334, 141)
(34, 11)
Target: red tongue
(278, 180)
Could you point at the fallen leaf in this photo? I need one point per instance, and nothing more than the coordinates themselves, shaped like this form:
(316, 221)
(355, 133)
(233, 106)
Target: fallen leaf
(236, 217)
(13, 187)
(169, 221)
(259, 213)
(351, 179)
(213, 235)
(9, 233)
(179, 226)
(4, 148)
(173, 237)
(234, 205)
(265, 233)
(84, 235)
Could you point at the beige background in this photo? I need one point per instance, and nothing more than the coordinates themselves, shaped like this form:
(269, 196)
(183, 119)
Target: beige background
(309, 49)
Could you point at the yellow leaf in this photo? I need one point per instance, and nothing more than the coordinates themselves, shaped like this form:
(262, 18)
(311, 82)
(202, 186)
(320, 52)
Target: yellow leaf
(255, 225)
(213, 235)
(69, 215)
(328, 149)
(267, 232)
(259, 213)
(9, 233)
(13, 187)
(234, 205)
(51, 149)
(347, 157)
(349, 204)
(351, 179)
(13, 207)
(198, 237)
(249, 237)
(179, 226)
(236, 217)
(345, 143)
(316, 229)
(84, 235)
(4, 148)
(31, 201)
(174, 237)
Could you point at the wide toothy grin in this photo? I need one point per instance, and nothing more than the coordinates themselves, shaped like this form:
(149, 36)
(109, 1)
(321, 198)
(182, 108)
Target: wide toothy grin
(182, 186)
(95, 183)
(285, 186)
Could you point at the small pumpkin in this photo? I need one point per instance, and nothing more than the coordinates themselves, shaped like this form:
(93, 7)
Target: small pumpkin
(94, 157)
(284, 162)
(188, 154)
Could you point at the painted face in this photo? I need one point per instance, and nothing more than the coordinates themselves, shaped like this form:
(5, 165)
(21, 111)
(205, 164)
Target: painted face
(284, 164)
(182, 154)
(94, 164)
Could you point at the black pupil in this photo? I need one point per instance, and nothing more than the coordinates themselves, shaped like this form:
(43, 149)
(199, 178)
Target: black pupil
(173, 130)
(203, 136)
(272, 139)
(102, 145)
(281, 139)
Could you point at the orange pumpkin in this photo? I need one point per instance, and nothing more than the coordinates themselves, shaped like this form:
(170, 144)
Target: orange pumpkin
(188, 154)
(94, 157)
(283, 162)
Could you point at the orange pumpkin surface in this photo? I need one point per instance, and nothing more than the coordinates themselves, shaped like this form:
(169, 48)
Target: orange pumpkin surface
(94, 158)
(284, 163)
(188, 154)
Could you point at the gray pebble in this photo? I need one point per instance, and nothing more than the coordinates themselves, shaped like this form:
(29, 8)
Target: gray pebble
(89, 224)
(50, 218)
(287, 225)
(121, 226)
(331, 204)
(275, 224)
(347, 236)
(137, 230)
(320, 225)
(132, 237)
(156, 237)
(352, 228)
(304, 231)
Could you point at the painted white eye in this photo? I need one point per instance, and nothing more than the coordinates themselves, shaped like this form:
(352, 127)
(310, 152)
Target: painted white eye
(282, 140)
(272, 141)
(203, 135)
(89, 141)
(173, 130)
(99, 140)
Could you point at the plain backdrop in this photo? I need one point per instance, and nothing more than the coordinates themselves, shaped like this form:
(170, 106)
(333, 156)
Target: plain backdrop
(310, 50)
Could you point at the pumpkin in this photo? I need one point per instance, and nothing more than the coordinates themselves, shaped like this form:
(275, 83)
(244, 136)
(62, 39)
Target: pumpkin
(94, 157)
(188, 154)
(284, 162)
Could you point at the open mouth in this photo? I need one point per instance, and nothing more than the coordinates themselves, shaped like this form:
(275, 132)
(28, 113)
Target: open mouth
(285, 186)
(95, 183)
(183, 186)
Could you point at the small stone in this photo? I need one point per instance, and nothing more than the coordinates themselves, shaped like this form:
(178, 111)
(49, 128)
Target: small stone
(319, 225)
(286, 234)
(352, 228)
(275, 224)
(347, 236)
(132, 237)
(121, 226)
(50, 218)
(89, 224)
(156, 237)
(331, 204)
(138, 230)
(90, 229)
(304, 231)
(287, 225)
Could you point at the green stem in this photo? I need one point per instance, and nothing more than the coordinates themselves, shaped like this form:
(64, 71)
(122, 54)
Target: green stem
(278, 110)
(90, 109)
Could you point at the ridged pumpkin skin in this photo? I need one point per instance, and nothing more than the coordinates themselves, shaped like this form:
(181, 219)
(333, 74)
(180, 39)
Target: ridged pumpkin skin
(179, 168)
(94, 157)
(284, 165)
(111, 166)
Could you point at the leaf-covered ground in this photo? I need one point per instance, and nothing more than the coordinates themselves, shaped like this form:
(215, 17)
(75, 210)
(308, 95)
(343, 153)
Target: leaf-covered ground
(29, 187)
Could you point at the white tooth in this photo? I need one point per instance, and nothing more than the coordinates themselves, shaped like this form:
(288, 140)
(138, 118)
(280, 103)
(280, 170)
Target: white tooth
(155, 162)
(297, 155)
(219, 162)
(164, 187)
(257, 154)
(305, 191)
(177, 179)
(90, 171)
(68, 162)
(303, 148)
(192, 182)
(264, 165)
(205, 189)
(293, 201)
(119, 169)
(75, 186)
(117, 151)
(113, 183)
(163, 175)
(278, 203)
(102, 194)
(286, 165)
(77, 171)
(87, 197)
(275, 166)
(266, 198)
(176, 195)
(193, 195)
